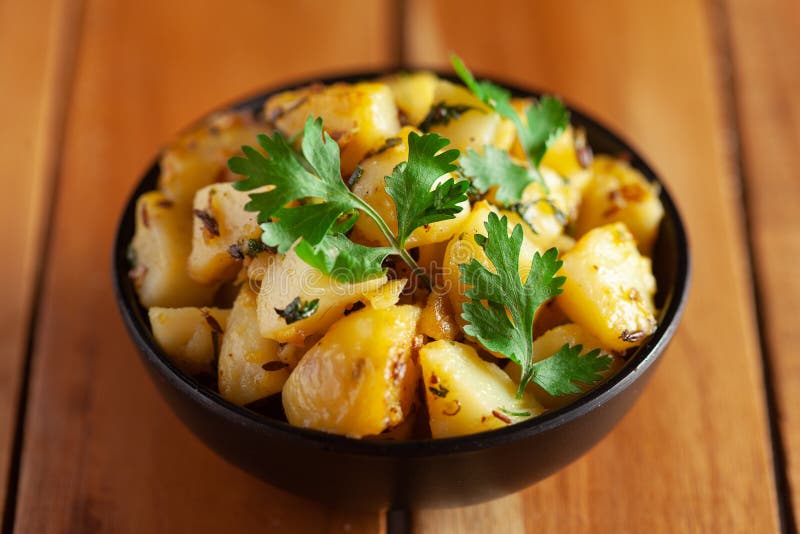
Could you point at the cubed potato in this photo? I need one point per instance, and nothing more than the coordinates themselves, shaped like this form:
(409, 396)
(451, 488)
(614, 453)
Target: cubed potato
(551, 342)
(189, 336)
(620, 193)
(222, 233)
(159, 252)
(413, 94)
(463, 248)
(466, 394)
(563, 156)
(372, 188)
(475, 128)
(288, 277)
(360, 117)
(609, 288)
(437, 320)
(200, 157)
(250, 367)
(360, 378)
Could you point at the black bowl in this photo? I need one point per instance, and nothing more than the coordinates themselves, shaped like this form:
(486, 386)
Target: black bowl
(399, 474)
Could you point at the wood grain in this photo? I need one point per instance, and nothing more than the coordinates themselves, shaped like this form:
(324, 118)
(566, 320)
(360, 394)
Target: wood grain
(34, 66)
(102, 452)
(694, 454)
(766, 72)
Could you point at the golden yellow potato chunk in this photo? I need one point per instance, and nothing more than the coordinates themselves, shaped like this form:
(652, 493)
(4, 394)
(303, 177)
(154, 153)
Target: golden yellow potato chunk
(372, 188)
(620, 193)
(158, 254)
(413, 94)
(250, 366)
(609, 288)
(359, 117)
(551, 342)
(474, 128)
(189, 336)
(466, 394)
(288, 277)
(200, 157)
(222, 233)
(360, 378)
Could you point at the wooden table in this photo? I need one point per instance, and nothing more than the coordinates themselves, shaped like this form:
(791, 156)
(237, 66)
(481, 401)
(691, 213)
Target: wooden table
(91, 88)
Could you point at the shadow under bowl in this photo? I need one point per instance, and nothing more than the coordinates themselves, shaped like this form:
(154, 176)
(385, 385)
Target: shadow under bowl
(418, 474)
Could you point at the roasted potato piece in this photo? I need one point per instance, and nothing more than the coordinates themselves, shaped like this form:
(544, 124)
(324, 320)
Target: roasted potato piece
(199, 157)
(551, 342)
(189, 336)
(158, 254)
(437, 320)
(609, 288)
(372, 188)
(250, 367)
(466, 394)
(413, 94)
(619, 193)
(360, 378)
(476, 127)
(288, 277)
(360, 117)
(223, 233)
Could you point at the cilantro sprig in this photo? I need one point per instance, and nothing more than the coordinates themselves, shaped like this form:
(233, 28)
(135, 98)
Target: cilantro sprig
(502, 308)
(545, 121)
(309, 206)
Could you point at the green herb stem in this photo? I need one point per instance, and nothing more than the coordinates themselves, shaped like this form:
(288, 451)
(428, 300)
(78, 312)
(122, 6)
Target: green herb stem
(393, 243)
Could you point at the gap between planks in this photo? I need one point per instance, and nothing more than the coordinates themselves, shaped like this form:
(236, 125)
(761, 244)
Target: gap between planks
(62, 41)
(719, 20)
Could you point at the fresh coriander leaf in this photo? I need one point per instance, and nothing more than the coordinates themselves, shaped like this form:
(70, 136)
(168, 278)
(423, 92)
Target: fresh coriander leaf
(495, 168)
(558, 374)
(502, 308)
(442, 113)
(411, 182)
(297, 310)
(343, 260)
(546, 119)
(494, 96)
(289, 173)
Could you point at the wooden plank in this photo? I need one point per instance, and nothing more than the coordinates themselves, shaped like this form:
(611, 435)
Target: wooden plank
(102, 452)
(34, 65)
(694, 454)
(766, 71)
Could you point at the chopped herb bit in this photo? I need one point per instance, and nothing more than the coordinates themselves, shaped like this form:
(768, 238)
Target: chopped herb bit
(297, 310)
(516, 414)
(441, 114)
(632, 337)
(274, 365)
(212, 322)
(209, 222)
(256, 247)
(358, 172)
(390, 142)
(440, 391)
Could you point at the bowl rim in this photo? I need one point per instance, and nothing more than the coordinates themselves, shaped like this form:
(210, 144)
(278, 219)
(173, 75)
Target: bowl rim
(637, 363)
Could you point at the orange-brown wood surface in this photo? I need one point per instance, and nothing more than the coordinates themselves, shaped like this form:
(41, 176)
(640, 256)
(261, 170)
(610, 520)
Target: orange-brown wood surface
(765, 51)
(90, 90)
